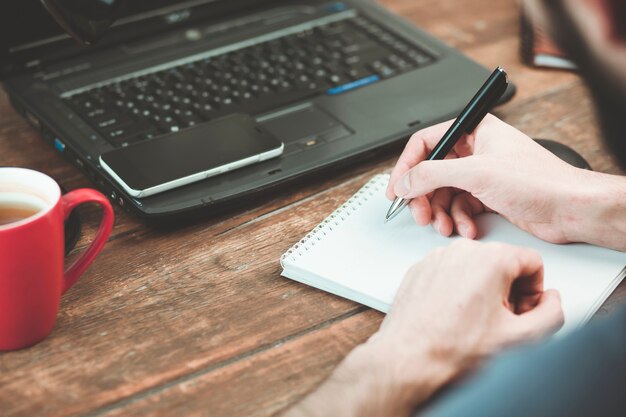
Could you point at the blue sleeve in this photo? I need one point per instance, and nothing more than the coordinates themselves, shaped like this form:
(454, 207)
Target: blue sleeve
(579, 375)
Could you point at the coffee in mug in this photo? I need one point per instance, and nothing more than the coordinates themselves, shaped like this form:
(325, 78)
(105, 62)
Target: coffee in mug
(13, 211)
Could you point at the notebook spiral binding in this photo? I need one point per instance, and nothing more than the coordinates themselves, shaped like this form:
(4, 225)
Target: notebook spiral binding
(336, 218)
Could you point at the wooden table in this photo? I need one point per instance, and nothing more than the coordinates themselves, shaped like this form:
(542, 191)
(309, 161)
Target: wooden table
(198, 321)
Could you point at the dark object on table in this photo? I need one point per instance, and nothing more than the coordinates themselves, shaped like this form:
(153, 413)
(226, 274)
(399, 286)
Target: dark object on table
(565, 153)
(536, 47)
(72, 229)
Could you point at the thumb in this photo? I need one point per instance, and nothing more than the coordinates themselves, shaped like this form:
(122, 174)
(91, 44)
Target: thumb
(546, 318)
(463, 173)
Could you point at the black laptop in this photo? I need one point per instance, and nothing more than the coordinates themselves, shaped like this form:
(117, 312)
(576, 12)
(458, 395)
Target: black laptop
(333, 81)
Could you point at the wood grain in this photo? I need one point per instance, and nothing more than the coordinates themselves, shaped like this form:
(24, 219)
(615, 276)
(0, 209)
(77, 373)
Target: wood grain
(197, 321)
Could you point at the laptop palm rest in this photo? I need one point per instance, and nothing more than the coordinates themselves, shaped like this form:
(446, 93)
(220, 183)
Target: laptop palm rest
(304, 126)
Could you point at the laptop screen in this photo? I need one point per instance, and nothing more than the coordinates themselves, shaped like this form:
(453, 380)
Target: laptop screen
(30, 36)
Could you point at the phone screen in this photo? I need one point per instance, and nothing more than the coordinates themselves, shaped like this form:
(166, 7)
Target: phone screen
(190, 155)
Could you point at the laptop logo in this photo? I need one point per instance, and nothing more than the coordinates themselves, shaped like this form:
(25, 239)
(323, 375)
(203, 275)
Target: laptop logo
(177, 17)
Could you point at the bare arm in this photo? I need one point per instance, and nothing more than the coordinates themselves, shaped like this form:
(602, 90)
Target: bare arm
(597, 211)
(371, 382)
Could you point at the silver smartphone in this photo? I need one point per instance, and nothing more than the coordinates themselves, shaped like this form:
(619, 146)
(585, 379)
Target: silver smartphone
(177, 159)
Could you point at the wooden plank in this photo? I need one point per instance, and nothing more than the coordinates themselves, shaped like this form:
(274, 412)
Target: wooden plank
(459, 25)
(261, 385)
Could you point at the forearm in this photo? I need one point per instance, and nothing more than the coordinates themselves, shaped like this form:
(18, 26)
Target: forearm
(596, 212)
(376, 380)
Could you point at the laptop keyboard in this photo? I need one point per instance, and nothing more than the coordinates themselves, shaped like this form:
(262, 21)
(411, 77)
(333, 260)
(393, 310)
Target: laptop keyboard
(330, 59)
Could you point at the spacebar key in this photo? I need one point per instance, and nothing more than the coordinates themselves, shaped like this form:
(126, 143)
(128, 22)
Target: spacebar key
(352, 85)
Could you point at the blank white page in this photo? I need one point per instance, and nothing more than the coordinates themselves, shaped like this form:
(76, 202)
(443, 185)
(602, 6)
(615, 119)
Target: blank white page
(354, 254)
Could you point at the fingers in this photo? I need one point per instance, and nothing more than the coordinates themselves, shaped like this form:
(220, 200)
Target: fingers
(461, 216)
(415, 151)
(523, 303)
(463, 209)
(536, 312)
(463, 173)
(421, 210)
(544, 319)
(440, 204)
(525, 293)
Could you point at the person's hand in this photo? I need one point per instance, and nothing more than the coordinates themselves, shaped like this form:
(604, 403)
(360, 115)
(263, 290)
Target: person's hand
(456, 306)
(469, 300)
(496, 168)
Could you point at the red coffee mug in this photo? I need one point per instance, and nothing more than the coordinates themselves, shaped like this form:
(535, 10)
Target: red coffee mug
(32, 278)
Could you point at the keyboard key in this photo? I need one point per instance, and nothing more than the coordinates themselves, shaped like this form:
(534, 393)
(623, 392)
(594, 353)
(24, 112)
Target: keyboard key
(113, 122)
(419, 57)
(387, 72)
(120, 134)
(358, 72)
(337, 79)
(97, 112)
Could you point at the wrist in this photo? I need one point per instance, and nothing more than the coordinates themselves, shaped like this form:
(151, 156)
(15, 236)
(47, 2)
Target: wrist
(393, 378)
(379, 378)
(595, 211)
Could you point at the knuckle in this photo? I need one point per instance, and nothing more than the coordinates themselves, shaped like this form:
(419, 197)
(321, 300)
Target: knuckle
(415, 140)
(496, 254)
(490, 117)
(491, 120)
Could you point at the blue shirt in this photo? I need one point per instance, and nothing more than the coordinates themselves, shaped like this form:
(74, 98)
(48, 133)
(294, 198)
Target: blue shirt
(579, 375)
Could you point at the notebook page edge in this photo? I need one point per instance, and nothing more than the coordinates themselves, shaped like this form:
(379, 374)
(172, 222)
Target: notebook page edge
(603, 297)
(296, 274)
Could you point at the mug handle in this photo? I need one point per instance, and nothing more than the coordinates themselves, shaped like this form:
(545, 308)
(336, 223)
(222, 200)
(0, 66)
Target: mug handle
(69, 202)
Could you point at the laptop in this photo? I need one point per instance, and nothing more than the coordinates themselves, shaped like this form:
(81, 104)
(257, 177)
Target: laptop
(335, 82)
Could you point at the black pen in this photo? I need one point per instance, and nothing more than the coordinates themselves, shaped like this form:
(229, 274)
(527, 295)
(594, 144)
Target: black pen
(465, 123)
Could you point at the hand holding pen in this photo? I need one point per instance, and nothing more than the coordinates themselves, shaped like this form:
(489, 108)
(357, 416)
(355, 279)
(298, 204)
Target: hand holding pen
(486, 97)
(499, 169)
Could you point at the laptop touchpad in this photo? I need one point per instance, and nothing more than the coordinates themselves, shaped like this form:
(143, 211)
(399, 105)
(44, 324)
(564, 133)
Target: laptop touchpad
(307, 125)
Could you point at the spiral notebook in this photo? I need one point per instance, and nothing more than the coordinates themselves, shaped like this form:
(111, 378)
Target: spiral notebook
(355, 255)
